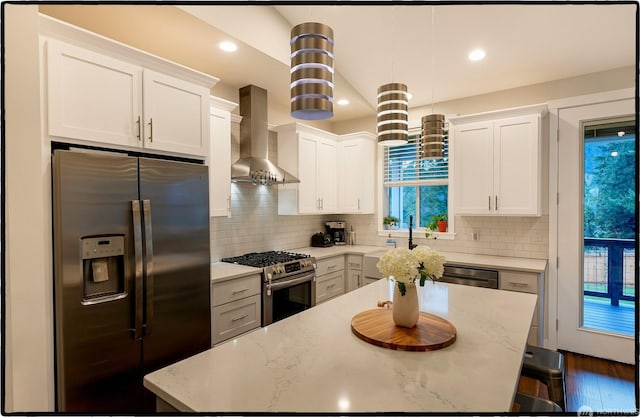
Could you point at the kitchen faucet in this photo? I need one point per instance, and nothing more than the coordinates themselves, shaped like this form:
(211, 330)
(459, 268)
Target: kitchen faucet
(411, 245)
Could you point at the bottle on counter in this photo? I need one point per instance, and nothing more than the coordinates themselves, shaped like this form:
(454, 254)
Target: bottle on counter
(352, 237)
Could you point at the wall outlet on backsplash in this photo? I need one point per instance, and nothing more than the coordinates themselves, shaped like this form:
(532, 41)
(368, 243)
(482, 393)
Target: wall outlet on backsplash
(475, 235)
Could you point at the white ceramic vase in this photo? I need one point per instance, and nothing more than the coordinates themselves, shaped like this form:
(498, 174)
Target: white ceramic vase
(406, 308)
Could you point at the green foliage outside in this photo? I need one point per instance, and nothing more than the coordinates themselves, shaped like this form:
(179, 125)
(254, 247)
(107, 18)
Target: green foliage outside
(609, 189)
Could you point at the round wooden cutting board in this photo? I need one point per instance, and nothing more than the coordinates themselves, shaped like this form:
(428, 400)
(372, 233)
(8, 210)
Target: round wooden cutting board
(376, 326)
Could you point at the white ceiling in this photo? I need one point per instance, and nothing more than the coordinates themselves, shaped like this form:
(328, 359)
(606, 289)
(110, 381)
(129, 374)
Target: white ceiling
(374, 45)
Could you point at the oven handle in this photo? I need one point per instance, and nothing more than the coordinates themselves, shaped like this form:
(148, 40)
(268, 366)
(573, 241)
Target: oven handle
(292, 282)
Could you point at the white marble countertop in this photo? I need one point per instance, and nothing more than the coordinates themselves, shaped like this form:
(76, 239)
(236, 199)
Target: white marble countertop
(321, 253)
(312, 362)
(467, 259)
(500, 262)
(222, 271)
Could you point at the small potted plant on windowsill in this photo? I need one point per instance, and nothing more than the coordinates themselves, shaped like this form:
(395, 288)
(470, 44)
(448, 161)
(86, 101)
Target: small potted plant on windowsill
(389, 222)
(438, 223)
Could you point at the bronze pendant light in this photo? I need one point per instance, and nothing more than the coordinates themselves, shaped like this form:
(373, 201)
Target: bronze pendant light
(393, 114)
(433, 125)
(433, 134)
(311, 71)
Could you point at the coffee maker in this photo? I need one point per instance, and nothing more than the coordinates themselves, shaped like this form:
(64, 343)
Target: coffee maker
(336, 229)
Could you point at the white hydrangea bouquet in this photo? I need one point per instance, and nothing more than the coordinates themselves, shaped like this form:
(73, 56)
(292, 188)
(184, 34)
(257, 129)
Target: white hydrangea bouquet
(406, 266)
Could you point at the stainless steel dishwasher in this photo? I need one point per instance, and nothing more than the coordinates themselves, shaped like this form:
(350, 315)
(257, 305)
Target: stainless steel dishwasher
(466, 275)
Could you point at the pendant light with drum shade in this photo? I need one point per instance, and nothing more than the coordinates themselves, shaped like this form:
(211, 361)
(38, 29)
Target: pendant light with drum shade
(311, 71)
(393, 108)
(393, 114)
(433, 125)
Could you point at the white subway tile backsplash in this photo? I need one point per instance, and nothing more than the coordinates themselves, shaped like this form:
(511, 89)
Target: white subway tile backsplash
(256, 226)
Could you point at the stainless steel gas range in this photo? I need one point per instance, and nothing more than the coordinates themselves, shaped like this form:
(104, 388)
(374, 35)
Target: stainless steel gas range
(288, 282)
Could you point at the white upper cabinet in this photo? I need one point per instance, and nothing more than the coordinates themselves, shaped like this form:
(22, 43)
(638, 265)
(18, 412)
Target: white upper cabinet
(219, 160)
(497, 164)
(99, 90)
(176, 114)
(310, 155)
(92, 96)
(336, 172)
(356, 173)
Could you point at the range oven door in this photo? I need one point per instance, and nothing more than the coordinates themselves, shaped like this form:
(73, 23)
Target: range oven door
(287, 296)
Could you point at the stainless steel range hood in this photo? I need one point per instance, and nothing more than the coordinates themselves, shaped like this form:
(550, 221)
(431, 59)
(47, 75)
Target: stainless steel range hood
(254, 165)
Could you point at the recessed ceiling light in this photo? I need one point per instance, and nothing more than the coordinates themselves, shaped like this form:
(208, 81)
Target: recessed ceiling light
(228, 46)
(409, 96)
(343, 102)
(477, 55)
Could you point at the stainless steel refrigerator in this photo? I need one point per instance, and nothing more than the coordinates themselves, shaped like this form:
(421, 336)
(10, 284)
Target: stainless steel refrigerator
(131, 272)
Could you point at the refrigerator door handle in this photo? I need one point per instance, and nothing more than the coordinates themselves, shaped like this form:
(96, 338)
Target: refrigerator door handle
(148, 252)
(137, 248)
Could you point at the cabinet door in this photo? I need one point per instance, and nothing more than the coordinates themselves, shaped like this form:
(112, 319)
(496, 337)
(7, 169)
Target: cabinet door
(516, 174)
(473, 179)
(327, 176)
(354, 279)
(176, 115)
(92, 96)
(308, 200)
(220, 163)
(350, 167)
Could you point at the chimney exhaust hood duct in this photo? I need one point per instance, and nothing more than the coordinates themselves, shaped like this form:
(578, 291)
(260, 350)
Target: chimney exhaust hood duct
(254, 165)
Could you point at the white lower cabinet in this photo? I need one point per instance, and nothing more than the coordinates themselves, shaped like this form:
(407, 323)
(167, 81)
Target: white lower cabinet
(235, 307)
(533, 283)
(329, 278)
(354, 277)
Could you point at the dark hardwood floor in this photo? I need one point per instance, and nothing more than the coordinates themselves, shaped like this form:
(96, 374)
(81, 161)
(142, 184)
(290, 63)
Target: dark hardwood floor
(601, 385)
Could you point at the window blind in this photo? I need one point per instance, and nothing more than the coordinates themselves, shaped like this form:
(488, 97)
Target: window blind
(403, 164)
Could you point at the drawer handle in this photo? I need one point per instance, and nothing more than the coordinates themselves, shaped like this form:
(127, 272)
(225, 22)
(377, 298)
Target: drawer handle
(240, 317)
(239, 291)
(354, 264)
(331, 285)
(331, 266)
(518, 284)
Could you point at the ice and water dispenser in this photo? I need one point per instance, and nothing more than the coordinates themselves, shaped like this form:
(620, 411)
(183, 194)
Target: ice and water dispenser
(103, 268)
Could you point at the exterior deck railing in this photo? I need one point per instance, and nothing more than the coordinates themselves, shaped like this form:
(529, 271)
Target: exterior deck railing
(609, 269)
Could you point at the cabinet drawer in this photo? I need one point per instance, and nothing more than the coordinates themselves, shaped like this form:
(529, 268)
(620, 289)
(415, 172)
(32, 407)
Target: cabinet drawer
(326, 266)
(235, 289)
(519, 281)
(354, 261)
(233, 319)
(329, 286)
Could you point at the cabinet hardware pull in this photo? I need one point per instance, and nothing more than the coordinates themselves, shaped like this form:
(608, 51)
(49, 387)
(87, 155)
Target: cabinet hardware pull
(331, 266)
(139, 129)
(240, 317)
(331, 286)
(239, 291)
(518, 284)
(358, 203)
(496, 202)
(489, 203)
(150, 129)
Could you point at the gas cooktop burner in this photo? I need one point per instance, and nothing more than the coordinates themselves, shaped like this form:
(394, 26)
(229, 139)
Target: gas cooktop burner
(264, 259)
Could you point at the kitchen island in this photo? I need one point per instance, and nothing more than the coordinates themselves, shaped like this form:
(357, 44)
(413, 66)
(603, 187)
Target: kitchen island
(312, 362)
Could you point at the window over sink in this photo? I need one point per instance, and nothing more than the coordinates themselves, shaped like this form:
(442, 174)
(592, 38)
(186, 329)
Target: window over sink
(414, 186)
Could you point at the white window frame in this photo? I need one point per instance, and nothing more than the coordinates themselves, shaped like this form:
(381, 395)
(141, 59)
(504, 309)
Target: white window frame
(418, 232)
